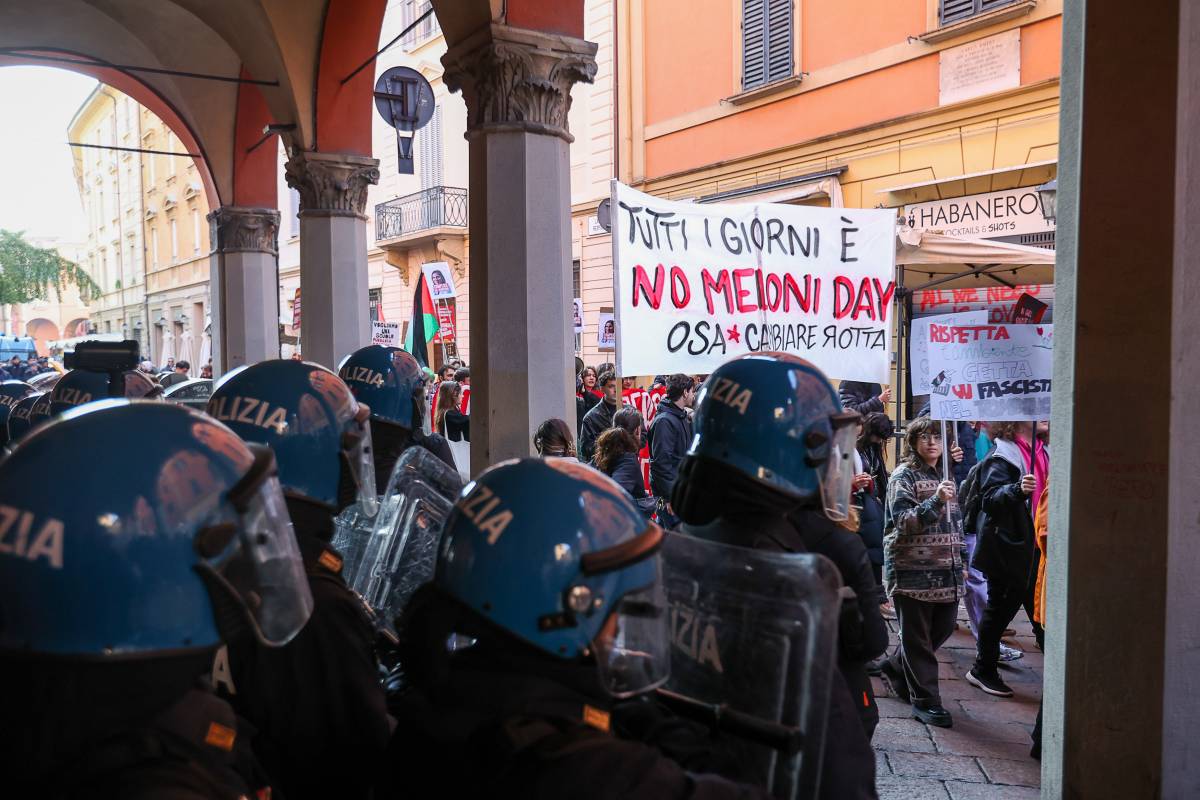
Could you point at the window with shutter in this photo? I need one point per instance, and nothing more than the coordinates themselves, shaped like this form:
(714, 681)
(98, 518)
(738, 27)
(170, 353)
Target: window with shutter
(767, 34)
(951, 11)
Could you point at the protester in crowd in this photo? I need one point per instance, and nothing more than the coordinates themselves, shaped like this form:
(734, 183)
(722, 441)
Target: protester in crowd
(462, 376)
(923, 562)
(553, 439)
(206, 371)
(864, 397)
(871, 492)
(448, 420)
(617, 457)
(600, 418)
(634, 395)
(1041, 531)
(670, 435)
(1005, 546)
(178, 375)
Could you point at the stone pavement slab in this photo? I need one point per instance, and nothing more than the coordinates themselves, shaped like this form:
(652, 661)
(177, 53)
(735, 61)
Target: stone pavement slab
(985, 755)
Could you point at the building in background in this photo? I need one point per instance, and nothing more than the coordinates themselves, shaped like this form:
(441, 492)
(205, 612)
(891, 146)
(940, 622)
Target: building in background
(422, 217)
(110, 189)
(58, 317)
(148, 242)
(177, 247)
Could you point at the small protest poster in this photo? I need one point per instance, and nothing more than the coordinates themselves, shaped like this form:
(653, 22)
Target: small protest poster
(698, 284)
(918, 345)
(990, 372)
(386, 334)
(577, 314)
(439, 280)
(606, 331)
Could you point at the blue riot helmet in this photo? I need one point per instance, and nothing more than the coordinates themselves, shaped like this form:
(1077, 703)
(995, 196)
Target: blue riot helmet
(11, 393)
(307, 415)
(18, 419)
(389, 380)
(39, 413)
(81, 386)
(171, 539)
(775, 420)
(554, 553)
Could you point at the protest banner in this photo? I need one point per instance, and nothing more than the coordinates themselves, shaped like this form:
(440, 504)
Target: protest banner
(447, 322)
(918, 345)
(698, 284)
(606, 331)
(577, 314)
(439, 280)
(990, 372)
(385, 333)
(999, 301)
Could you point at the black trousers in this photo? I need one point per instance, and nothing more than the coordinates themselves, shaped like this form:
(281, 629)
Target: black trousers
(924, 627)
(1004, 601)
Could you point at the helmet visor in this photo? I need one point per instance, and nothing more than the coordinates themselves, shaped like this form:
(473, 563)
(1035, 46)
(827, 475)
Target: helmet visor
(259, 559)
(837, 476)
(632, 649)
(360, 455)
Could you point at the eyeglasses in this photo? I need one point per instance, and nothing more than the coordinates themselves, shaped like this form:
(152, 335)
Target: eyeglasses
(930, 438)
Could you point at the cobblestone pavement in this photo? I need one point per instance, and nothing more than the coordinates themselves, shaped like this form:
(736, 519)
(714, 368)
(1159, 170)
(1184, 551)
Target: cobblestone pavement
(986, 754)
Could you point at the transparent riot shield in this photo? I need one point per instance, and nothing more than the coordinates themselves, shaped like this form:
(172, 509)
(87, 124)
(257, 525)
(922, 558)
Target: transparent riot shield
(401, 552)
(352, 530)
(755, 632)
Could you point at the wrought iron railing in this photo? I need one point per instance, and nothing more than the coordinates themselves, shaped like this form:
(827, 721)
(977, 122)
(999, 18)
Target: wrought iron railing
(436, 207)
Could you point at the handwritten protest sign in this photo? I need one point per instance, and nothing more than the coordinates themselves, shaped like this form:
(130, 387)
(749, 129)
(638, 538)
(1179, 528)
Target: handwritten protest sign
(990, 372)
(699, 284)
(918, 346)
(385, 333)
(999, 301)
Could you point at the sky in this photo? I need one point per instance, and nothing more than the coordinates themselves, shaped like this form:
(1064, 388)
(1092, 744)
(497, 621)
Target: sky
(38, 193)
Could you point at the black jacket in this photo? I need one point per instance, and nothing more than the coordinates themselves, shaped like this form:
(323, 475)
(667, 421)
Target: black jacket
(389, 441)
(860, 397)
(317, 701)
(1005, 545)
(456, 426)
(669, 436)
(495, 730)
(596, 422)
(848, 763)
(627, 472)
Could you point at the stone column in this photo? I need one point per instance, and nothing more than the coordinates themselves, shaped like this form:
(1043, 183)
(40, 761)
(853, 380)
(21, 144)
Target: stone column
(244, 286)
(1121, 644)
(333, 252)
(517, 86)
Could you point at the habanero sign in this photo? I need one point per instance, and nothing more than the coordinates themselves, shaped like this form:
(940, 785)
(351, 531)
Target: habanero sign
(981, 216)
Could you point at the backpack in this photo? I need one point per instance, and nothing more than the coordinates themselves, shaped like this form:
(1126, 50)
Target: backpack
(970, 498)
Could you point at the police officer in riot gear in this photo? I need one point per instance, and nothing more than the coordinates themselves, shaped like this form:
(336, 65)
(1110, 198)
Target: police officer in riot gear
(770, 467)
(392, 384)
(11, 393)
(317, 703)
(81, 386)
(19, 422)
(548, 583)
(112, 604)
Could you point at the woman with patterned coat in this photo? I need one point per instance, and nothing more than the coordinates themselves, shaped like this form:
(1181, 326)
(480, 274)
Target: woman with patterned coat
(923, 562)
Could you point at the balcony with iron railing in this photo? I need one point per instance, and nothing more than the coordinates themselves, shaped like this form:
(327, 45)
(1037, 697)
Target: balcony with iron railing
(425, 214)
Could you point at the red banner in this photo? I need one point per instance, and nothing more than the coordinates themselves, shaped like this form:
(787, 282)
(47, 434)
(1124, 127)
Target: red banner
(446, 322)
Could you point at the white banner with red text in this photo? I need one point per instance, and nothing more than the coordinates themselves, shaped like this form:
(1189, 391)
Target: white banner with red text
(990, 372)
(699, 284)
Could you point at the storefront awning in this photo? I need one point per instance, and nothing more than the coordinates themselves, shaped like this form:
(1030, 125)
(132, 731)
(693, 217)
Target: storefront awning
(927, 248)
(983, 174)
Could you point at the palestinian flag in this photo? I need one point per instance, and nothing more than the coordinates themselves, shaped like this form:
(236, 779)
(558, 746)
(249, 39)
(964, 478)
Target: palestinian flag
(424, 324)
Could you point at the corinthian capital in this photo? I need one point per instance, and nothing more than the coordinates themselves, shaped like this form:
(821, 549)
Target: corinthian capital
(518, 79)
(235, 228)
(333, 184)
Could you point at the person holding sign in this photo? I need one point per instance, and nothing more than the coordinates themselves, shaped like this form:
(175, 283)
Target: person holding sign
(1005, 549)
(865, 398)
(924, 558)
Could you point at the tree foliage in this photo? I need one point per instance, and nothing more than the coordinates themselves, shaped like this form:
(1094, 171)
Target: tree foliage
(28, 273)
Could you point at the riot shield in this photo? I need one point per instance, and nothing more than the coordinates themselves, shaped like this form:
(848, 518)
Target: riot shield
(401, 551)
(755, 632)
(352, 530)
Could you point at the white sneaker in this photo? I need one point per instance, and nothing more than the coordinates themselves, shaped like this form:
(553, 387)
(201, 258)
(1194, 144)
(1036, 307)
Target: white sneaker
(1010, 653)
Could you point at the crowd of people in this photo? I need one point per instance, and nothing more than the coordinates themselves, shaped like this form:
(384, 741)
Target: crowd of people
(182, 627)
